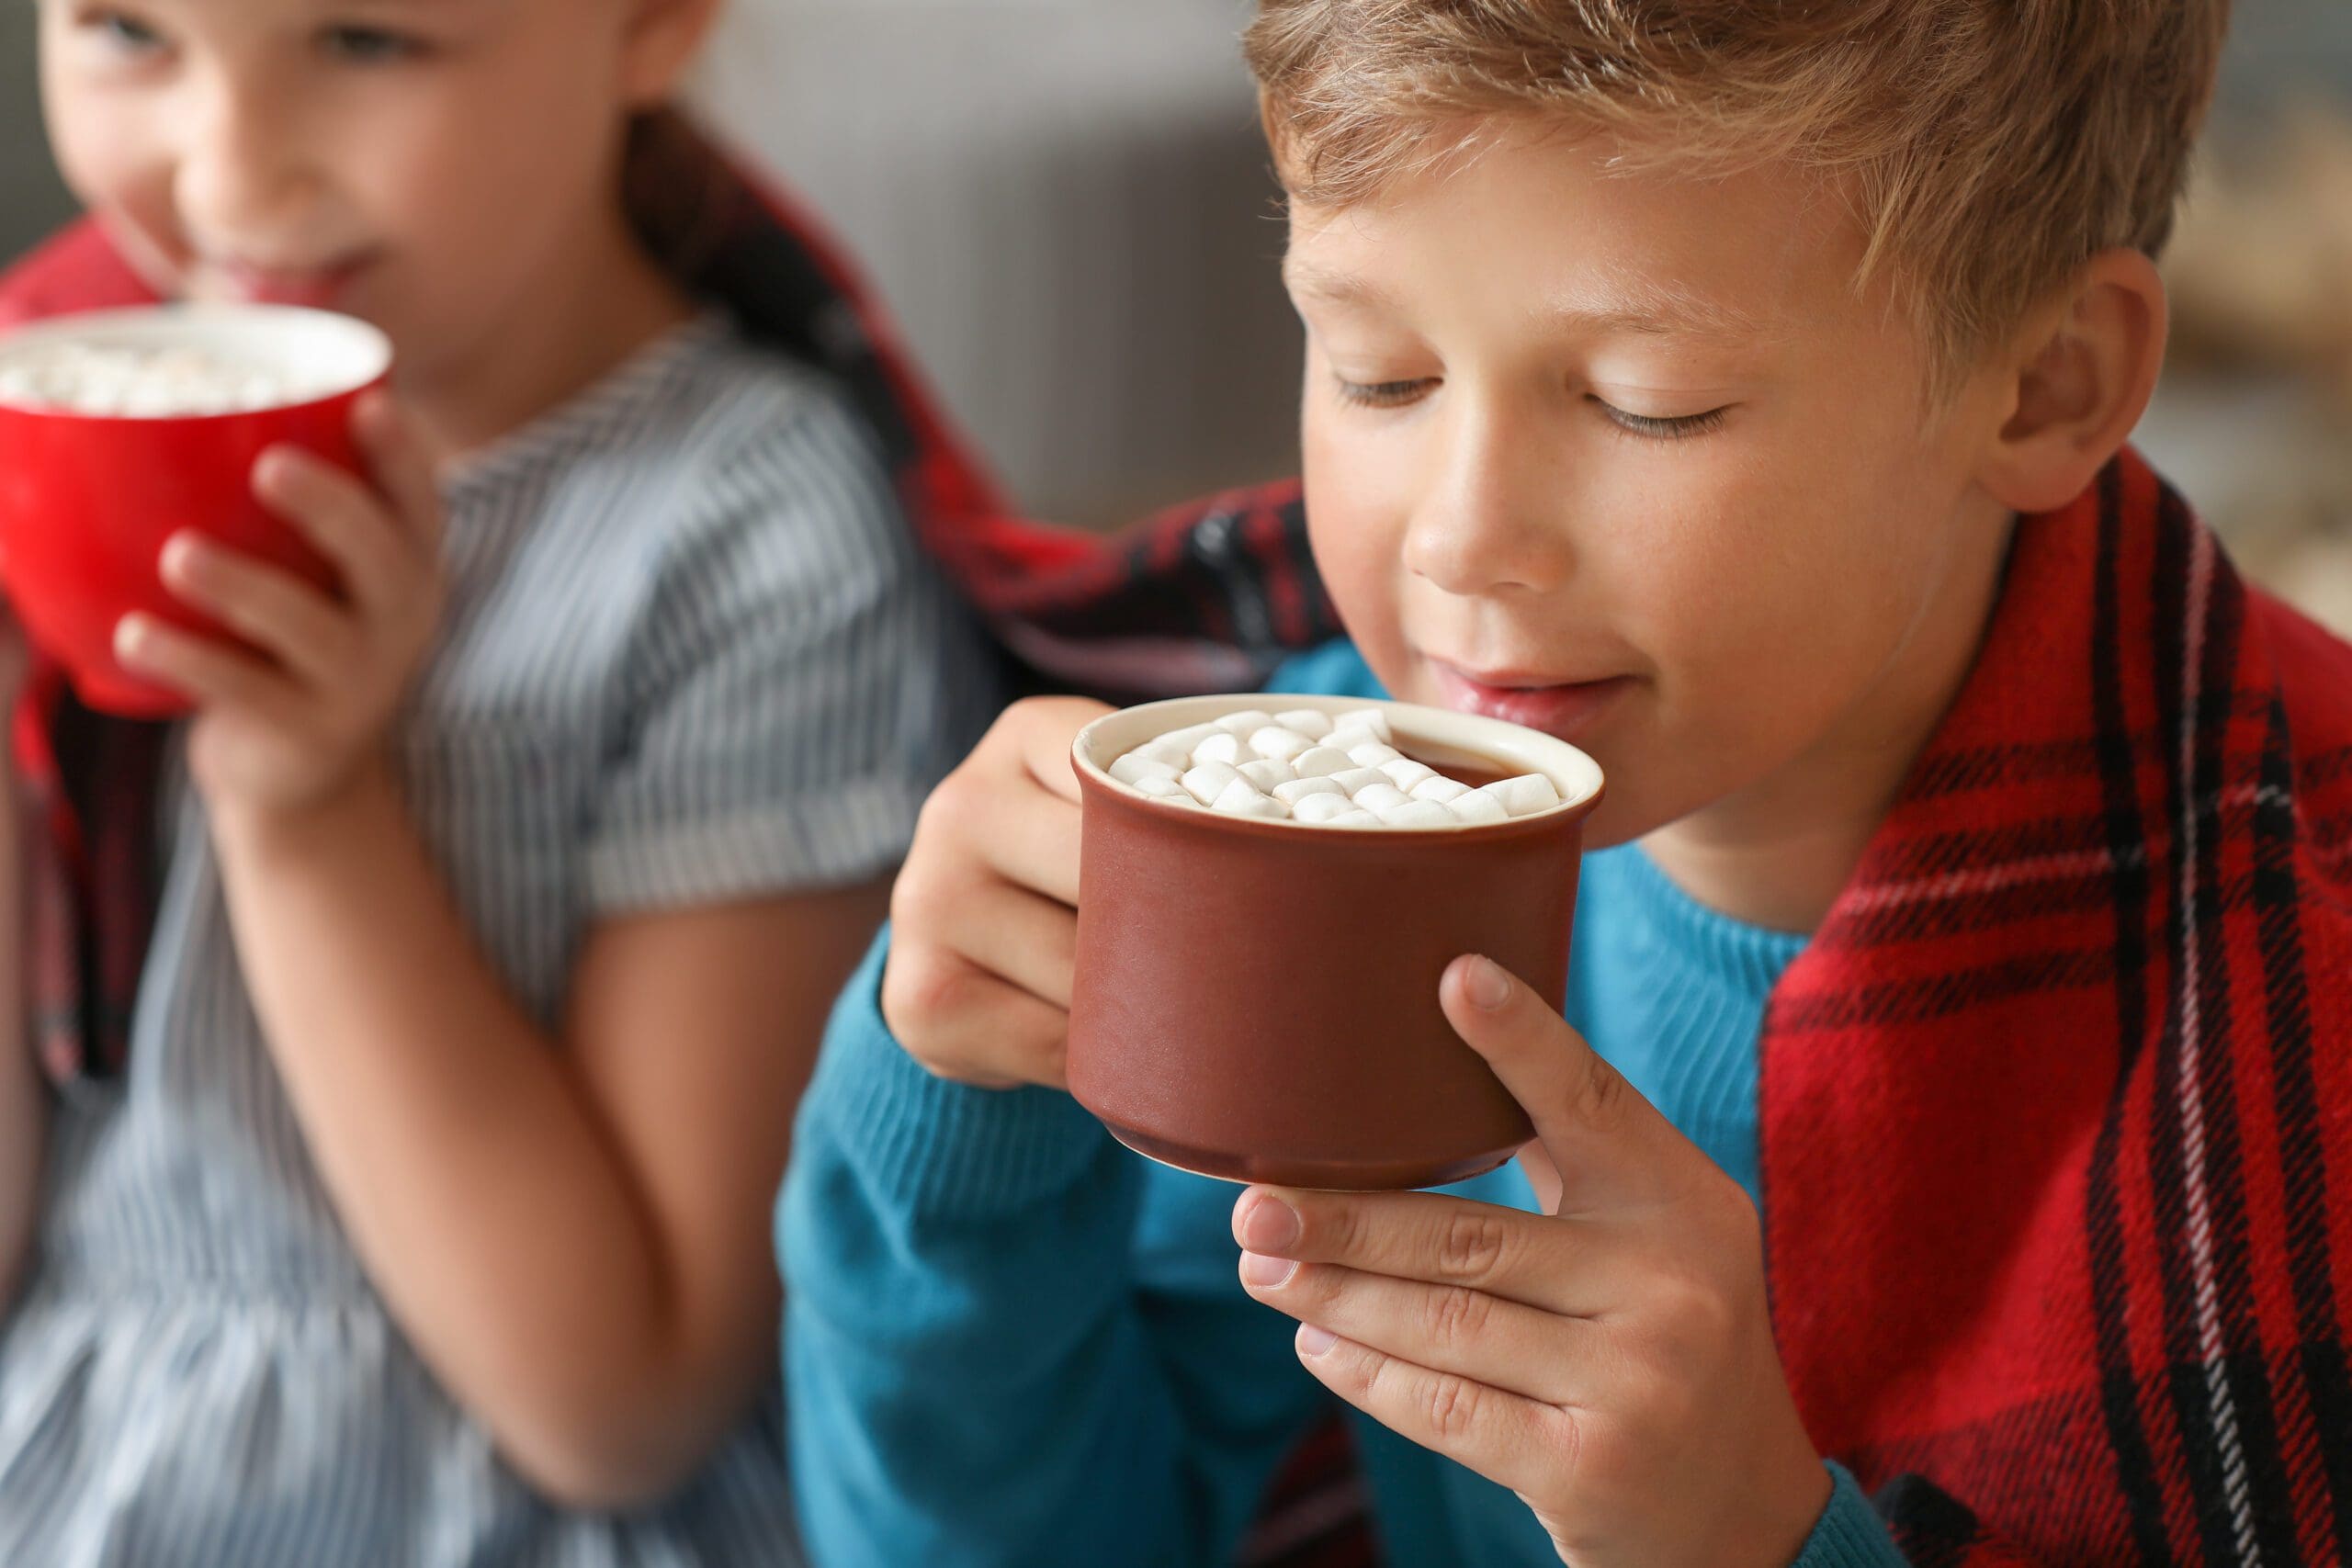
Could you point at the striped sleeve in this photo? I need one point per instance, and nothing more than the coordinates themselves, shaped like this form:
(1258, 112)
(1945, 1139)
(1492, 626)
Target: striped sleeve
(801, 680)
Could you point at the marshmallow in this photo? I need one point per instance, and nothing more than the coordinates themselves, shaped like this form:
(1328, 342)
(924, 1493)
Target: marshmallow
(1169, 790)
(1356, 779)
(1236, 796)
(1372, 753)
(1291, 793)
(1348, 739)
(1373, 719)
(1134, 767)
(1417, 814)
(1189, 737)
(1439, 789)
(1251, 805)
(1313, 723)
(1476, 807)
(1176, 754)
(1245, 722)
(1322, 807)
(1268, 776)
(160, 381)
(1226, 747)
(1380, 796)
(1209, 781)
(1279, 743)
(1320, 762)
(1526, 794)
(1354, 820)
(1406, 773)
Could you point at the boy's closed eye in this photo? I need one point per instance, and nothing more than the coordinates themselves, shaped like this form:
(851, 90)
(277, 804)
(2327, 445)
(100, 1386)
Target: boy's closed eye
(1656, 427)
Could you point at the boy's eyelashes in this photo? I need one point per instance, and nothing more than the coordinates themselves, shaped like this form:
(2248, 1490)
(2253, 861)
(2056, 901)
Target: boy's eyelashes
(1382, 394)
(1399, 394)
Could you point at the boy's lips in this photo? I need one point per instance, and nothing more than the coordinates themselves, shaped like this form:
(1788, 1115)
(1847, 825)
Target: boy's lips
(1561, 709)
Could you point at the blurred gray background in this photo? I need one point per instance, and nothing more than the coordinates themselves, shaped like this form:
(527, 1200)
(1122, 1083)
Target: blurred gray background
(1065, 202)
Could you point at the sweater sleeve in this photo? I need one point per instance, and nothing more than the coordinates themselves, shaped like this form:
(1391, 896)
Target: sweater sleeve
(983, 1363)
(1849, 1533)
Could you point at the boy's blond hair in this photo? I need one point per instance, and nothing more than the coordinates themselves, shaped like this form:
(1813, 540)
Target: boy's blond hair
(1990, 147)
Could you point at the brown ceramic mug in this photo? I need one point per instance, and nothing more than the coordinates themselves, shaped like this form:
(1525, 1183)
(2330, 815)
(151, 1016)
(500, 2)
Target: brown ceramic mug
(1258, 1000)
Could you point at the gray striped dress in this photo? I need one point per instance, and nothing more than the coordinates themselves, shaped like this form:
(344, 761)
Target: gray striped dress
(692, 655)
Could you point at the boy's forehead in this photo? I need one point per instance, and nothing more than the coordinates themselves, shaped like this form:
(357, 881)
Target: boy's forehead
(1601, 298)
(1566, 233)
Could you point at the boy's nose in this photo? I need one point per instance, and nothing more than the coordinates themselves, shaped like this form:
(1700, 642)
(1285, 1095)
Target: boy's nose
(1489, 518)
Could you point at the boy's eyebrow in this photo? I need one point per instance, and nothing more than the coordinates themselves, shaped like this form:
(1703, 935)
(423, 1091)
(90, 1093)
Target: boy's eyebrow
(1631, 306)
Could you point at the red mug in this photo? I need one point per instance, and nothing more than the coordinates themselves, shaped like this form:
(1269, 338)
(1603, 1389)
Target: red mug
(87, 501)
(1257, 999)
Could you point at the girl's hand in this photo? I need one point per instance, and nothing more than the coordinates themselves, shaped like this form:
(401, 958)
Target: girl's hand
(1609, 1360)
(984, 917)
(284, 734)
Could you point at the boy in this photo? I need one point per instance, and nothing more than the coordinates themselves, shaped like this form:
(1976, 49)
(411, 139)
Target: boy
(1738, 392)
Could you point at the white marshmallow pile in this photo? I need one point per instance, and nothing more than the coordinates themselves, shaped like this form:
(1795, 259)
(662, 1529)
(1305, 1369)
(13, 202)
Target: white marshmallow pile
(164, 382)
(1310, 767)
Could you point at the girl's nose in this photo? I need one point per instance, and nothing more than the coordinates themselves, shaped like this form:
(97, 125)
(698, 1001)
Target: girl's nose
(246, 182)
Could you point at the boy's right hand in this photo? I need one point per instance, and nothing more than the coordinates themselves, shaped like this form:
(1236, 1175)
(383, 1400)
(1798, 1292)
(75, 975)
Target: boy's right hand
(984, 919)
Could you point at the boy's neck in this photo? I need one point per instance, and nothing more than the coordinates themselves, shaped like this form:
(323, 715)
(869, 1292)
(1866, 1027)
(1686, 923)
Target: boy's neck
(579, 327)
(1778, 853)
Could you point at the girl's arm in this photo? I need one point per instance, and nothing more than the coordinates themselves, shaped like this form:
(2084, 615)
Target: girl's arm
(573, 1232)
(24, 1102)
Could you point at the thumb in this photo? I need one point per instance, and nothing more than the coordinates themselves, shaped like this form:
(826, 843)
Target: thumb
(1608, 1144)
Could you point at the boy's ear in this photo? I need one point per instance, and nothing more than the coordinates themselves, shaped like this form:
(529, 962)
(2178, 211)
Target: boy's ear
(2076, 379)
(664, 36)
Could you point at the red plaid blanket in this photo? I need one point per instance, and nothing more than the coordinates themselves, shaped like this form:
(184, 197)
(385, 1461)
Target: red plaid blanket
(2050, 1107)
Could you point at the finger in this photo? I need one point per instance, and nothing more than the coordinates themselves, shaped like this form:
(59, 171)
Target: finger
(1437, 1239)
(1446, 1328)
(347, 521)
(210, 674)
(403, 468)
(963, 1024)
(1010, 826)
(1025, 938)
(1516, 1442)
(1042, 731)
(311, 636)
(1543, 1178)
(1610, 1146)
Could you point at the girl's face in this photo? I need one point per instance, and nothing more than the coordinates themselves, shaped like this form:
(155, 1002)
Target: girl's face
(438, 167)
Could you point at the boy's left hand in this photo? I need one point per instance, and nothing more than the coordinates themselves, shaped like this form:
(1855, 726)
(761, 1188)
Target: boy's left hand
(287, 733)
(1609, 1360)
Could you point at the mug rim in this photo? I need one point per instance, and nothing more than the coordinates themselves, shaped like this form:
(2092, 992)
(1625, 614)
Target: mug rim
(1572, 771)
(366, 345)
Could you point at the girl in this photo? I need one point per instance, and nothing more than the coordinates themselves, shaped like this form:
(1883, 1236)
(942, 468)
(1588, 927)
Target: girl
(506, 894)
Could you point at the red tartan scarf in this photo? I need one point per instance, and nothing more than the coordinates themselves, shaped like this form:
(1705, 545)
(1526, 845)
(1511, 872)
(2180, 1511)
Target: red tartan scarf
(2057, 1108)
(1205, 598)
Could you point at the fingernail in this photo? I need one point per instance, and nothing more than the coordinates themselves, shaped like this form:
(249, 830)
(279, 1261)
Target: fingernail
(1271, 1226)
(1314, 1341)
(1266, 1272)
(1486, 983)
(179, 552)
(129, 636)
